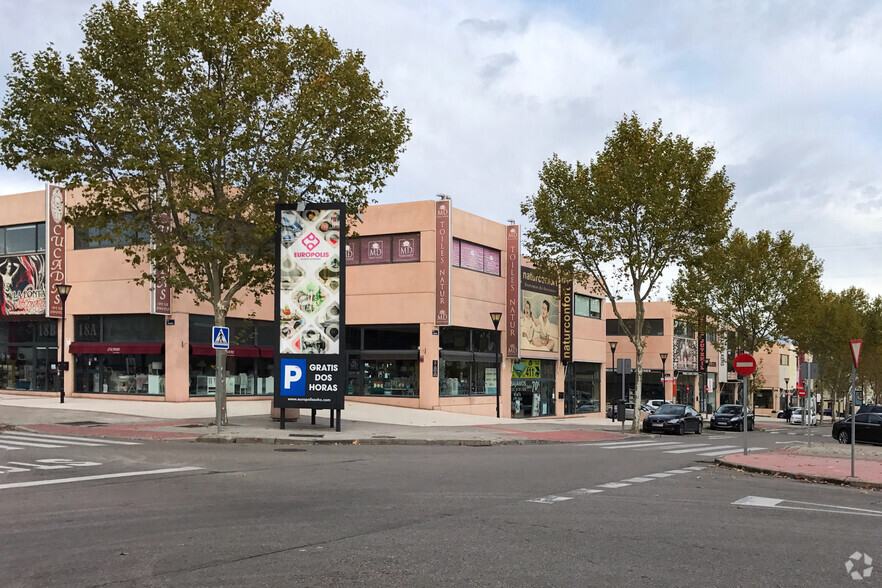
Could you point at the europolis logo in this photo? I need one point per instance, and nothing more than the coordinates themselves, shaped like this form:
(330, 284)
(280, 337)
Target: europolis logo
(293, 380)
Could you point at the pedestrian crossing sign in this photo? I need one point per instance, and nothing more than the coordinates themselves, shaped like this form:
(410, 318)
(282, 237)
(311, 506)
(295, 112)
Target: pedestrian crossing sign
(220, 337)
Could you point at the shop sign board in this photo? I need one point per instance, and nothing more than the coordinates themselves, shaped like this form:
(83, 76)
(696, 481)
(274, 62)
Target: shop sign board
(310, 299)
(566, 321)
(160, 293)
(23, 281)
(55, 248)
(443, 213)
(526, 369)
(540, 319)
(512, 291)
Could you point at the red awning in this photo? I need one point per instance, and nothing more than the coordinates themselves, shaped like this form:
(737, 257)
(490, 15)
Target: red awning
(116, 348)
(267, 352)
(233, 351)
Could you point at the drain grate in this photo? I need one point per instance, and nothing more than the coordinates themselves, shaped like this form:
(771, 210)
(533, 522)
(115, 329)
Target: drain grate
(192, 426)
(84, 424)
(289, 449)
(314, 436)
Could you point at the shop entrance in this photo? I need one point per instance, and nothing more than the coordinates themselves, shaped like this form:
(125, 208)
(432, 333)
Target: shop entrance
(532, 388)
(45, 378)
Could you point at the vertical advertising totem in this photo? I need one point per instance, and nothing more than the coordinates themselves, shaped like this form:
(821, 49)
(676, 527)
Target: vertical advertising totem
(309, 307)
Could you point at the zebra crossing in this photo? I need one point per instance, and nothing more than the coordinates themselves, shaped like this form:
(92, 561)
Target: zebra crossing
(15, 440)
(673, 447)
(799, 431)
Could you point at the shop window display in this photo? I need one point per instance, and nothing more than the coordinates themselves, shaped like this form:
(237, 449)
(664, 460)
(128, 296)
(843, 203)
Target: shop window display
(382, 378)
(532, 388)
(120, 374)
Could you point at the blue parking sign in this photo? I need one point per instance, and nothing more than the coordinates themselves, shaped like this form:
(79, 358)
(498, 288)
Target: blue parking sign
(293, 377)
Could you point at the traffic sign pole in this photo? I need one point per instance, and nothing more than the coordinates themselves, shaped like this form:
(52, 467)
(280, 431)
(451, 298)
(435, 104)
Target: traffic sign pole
(217, 396)
(855, 361)
(744, 411)
(744, 365)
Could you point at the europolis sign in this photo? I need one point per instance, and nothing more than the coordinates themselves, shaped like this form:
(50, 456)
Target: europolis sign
(310, 301)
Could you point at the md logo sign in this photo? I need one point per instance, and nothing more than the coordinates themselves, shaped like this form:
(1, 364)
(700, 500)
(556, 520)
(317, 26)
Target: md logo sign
(293, 377)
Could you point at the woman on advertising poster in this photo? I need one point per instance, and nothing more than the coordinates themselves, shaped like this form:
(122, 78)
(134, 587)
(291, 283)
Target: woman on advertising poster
(546, 331)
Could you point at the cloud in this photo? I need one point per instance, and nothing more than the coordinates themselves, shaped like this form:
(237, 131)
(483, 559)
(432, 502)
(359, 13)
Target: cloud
(789, 94)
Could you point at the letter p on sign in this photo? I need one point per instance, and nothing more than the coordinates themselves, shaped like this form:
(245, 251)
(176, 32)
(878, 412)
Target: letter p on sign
(293, 382)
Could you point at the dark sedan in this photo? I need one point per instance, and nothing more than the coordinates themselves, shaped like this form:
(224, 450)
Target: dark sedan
(673, 418)
(730, 416)
(867, 428)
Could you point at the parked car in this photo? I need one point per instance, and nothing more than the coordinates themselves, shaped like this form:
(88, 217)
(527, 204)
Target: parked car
(870, 408)
(613, 409)
(673, 418)
(731, 416)
(796, 417)
(867, 428)
(655, 403)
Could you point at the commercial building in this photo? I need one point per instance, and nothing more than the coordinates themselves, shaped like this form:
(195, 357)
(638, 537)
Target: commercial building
(424, 281)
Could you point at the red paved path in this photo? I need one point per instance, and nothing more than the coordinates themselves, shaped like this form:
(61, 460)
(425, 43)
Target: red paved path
(785, 461)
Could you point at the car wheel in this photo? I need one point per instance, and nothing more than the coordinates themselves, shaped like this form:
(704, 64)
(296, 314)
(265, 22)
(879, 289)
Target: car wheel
(682, 429)
(698, 430)
(740, 427)
(843, 437)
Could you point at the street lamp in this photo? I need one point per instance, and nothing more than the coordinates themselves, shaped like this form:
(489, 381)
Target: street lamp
(786, 393)
(496, 317)
(63, 291)
(664, 358)
(612, 348)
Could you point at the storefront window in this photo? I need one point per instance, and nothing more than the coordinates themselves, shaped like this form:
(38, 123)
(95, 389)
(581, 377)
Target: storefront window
(382, 378)
(532, 388)
(120, 374)
(763, 399)
(249, 366)
(468, 363)
(582, 388)
(28, 352)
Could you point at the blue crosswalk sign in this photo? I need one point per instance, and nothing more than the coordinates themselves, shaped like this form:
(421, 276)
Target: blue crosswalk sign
(220, 337)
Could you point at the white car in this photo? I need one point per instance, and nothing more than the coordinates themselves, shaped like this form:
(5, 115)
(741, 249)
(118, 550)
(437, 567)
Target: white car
(654, 403)
(796, 417)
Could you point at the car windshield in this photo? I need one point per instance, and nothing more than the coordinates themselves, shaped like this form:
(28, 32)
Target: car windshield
(670, 409)
(729, 409)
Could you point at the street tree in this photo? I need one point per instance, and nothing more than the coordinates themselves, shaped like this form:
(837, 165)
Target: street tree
(186, 121)
(754, 289)
(648, 201)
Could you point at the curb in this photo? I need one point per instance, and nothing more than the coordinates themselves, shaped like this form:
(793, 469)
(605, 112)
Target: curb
(224, 439)
(848, 481)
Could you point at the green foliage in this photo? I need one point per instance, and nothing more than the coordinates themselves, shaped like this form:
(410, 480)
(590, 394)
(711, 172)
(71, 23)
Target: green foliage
(194, 118)
(756, 288)
(646, 202)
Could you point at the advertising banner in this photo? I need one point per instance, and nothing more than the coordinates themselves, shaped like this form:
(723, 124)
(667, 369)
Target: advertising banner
(512, 291)
(443, 240)
(540, 314)
(55, 248)
(160, 293)
(309, 306)
(24, 285)
(566, 321)
(685, 354)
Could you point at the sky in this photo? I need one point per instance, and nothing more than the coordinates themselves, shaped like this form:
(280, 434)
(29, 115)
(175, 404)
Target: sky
(789, 93)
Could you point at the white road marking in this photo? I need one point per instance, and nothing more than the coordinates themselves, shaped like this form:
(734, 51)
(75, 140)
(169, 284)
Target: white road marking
(638, 480)
(28, 443)
(789, 442)
(550, 499)
(613, 485)
(763, 502)
(18, 436)
(66, 438)
(696, 468)
(618, 444)
(583, 491)
(97, 477)
(718, 436)
(677, 472)
(697, 449)
(660, 475)
(725, 451)
(668, 444)
(8, 448)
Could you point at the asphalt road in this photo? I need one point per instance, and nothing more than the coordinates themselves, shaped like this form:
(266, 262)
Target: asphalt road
(533, 515)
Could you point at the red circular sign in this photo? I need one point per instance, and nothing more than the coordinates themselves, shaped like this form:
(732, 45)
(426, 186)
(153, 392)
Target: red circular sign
(744, 364)
(801, 392)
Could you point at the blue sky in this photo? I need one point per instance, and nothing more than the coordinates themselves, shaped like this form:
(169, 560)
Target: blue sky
(790, 93)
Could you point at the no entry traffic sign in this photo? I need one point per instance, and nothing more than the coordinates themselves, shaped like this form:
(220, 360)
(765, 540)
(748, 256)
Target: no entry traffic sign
(802, 392)
(744, 364)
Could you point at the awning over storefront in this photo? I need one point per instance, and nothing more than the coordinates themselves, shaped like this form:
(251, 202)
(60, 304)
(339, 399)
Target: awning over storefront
(267, 352)
(116, 348)
(233, 351)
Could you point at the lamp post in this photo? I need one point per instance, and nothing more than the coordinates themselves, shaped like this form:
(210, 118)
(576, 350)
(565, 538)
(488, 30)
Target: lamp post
(664, 358)
(786, 393)
(496, 317)
(63, 291)
(612, 348)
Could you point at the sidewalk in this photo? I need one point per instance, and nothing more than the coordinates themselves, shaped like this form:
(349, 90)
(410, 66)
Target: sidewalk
(822, 462)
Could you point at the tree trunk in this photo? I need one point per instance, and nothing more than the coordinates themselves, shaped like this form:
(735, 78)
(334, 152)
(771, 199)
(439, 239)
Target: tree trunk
(220, 320)
(638, 389)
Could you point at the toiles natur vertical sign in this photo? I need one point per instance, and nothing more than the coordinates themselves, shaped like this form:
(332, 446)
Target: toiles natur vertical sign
(443, 212)
(512, 291)
(160, 293)
(310, 305)
(55, 248)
